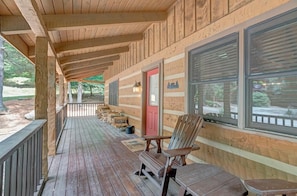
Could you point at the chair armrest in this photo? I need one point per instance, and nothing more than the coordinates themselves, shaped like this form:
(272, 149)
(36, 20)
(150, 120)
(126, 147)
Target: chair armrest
(195, 147)
(158, 139)
(154, 137)
(177, 152)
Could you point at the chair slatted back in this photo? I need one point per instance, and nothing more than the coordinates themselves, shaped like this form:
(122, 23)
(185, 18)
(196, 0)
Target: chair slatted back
(185, 131)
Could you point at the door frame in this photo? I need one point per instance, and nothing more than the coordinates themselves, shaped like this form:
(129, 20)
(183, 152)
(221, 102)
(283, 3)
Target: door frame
(160, 65)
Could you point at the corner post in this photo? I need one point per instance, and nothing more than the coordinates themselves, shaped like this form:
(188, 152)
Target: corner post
(41, 95)
(51, 105)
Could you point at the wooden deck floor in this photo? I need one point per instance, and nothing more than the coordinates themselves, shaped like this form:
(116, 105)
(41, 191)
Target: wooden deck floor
(91, 160)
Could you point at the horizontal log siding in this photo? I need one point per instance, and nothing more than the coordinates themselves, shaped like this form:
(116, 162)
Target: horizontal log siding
(245, 154)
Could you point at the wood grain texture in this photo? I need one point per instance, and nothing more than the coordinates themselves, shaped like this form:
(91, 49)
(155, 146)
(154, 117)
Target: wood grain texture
(41, 94)
(91, 160)
(180, 20)
(52, 105)
(202, 13)
(219, 8)
(190, 24)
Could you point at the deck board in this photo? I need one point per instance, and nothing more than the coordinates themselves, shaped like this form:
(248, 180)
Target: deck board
(91, 160)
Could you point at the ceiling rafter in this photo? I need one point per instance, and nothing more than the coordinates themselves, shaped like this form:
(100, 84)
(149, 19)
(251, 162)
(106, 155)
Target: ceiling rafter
(92, 55)
(83, 69)
(18, 24)
(74, 21)
(86, 64)
(30, 12)
(12, 25)
(102, 41)
(89, 71)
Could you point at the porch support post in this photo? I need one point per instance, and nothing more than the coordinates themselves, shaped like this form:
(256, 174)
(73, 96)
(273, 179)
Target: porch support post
(61, 90)
(65, 92)
(51, 105)
(41, 95)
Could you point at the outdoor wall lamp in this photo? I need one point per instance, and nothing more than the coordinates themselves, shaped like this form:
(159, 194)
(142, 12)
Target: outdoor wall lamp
(136, 87)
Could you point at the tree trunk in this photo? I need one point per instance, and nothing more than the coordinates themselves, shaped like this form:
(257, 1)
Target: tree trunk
(79, 93)
(91, 90)
(2, 106)
(70, 92)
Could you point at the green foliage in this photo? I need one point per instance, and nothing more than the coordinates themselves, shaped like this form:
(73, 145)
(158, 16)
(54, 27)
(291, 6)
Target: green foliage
(16, 65)
(96, 78)
(260, 99)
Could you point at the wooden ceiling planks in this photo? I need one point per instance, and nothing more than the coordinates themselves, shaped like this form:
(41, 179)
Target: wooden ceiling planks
(3, 9)
(70, 34)
(11, 7)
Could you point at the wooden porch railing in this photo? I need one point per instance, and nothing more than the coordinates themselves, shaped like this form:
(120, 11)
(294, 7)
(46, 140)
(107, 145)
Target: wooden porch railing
(287, 121)
(21, 161)
(61, 116)
(21, 153)
(82, 109)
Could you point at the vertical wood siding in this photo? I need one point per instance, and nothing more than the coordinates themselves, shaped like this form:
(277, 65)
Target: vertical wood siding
(245, 154)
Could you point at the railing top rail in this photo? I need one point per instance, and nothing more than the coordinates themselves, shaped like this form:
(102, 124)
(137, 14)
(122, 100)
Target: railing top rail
(13, 142)
(85, 103)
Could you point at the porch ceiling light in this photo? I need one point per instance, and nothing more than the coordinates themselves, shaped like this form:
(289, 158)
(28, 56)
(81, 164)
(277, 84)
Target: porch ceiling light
(136, 87)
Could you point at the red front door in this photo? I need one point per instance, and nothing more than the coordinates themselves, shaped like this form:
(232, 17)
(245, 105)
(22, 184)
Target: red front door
(152, 103)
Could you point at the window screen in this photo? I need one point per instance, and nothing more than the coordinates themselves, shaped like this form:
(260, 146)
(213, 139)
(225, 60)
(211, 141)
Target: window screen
(113, 93)
(213, 80)
(271, 67)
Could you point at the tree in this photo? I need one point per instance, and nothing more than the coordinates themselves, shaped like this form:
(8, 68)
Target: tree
(79, 92)
(2, 106)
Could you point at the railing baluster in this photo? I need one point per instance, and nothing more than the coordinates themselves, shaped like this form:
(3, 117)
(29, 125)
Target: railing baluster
(82, 109)
(1, 179)
(34, 146)
(20, 170)
(29, 167)
(7, 177)
(25, 170)
(13, 178)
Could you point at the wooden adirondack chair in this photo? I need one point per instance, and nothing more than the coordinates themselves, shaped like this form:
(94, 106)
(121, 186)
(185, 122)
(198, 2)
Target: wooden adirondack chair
(160, 165)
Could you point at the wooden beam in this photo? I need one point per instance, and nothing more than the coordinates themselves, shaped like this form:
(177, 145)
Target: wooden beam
(90, 69)
(51, 110)
(90, 63)
(30, 11)
(60, 22)
(61, 90)
(18, 43)
(93, 55)
(31, 52)
(89, 43)
(12, 25)
(33, 17)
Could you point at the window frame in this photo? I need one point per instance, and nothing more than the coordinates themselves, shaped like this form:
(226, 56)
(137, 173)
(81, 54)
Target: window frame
(113, 98)
(226, 39)
(269, 24)
(243, 95)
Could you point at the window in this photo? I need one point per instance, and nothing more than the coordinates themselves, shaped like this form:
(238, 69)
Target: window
(113, 93)
(213, 80)
(271, 74)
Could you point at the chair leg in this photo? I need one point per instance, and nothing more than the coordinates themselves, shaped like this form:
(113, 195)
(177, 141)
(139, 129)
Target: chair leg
(165, 181)
(139, 173)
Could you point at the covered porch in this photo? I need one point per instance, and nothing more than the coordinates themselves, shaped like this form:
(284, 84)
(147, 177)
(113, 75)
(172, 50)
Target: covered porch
(129, 42)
